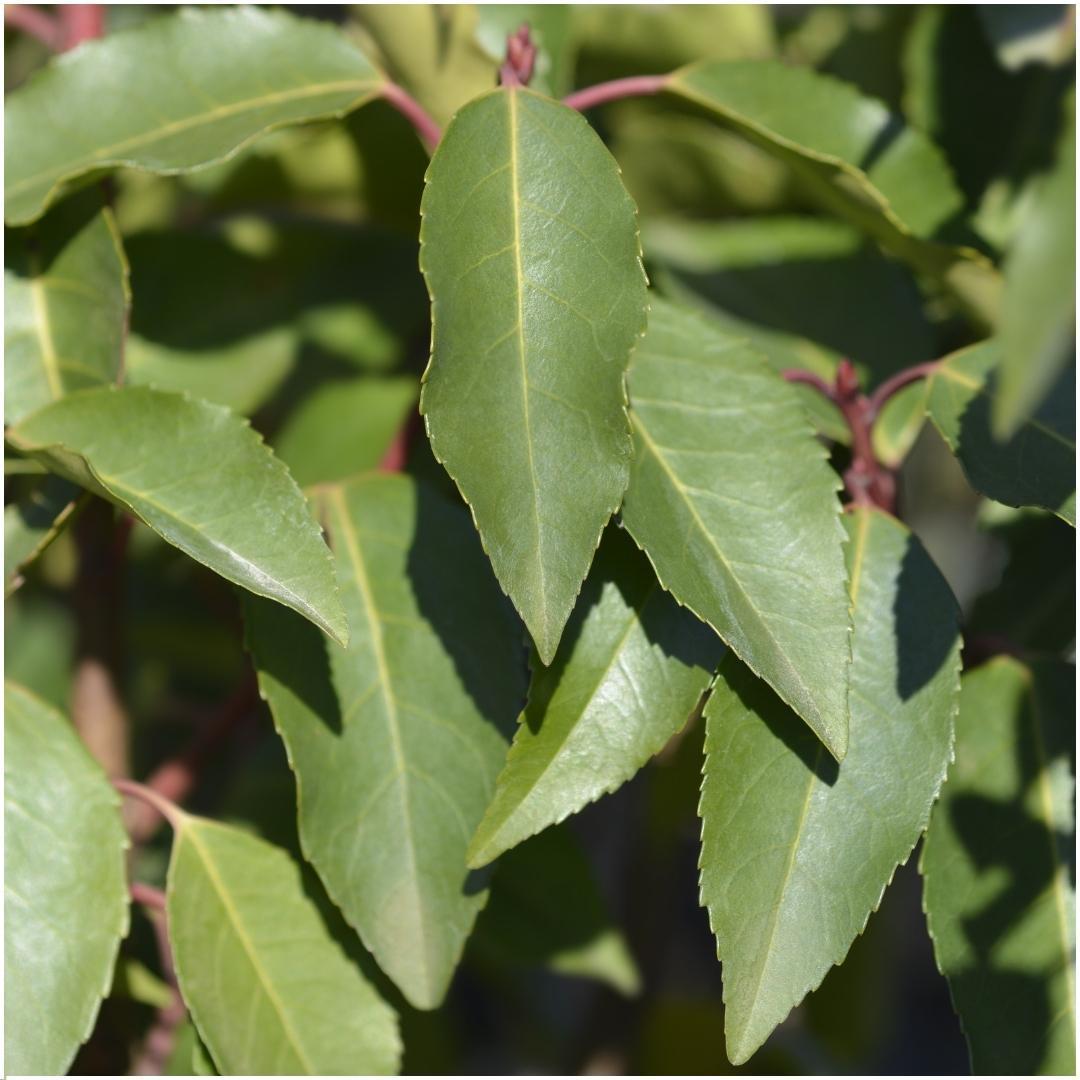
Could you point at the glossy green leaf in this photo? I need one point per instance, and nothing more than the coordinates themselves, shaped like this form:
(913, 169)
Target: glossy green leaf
(396, 742)
(631, 667)
(1038, 313)
(796, 851)
(343, 428)
(33, 521)
(530, 250)
(269, 989)
(201, 478)
(65, 306)
(732, 500)
(998, 892)
(1037, 465)
(158, 97)
(853, 157)
(65, 886)
(546, 910)
(898, 424)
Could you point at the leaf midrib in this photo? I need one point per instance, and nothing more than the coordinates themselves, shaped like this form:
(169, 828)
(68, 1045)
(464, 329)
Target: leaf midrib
(49, 358)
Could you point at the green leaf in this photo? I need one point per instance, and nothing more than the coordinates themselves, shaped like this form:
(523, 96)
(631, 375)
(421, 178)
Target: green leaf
(1023, 34)
(854, 157)
(796, 851)
(65, 886)
(189, 1054)
(1038, 314)
(530, 250)
(173, 94)
(344, 427)
(396, 742)
(898, 424)
(732, 500)
(546, 910)
(65, 306)
(631, 668)
(996, 867)
(33, 521)
(133, 980)
(269, 989)
(202, 479)
(1037, 466)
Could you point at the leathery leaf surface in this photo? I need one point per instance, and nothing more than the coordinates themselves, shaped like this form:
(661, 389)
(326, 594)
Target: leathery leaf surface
(529, 246)
(65, 886)
(796, 851)
(998, 890)
(732, 499)
(396, 741)
(631, 667)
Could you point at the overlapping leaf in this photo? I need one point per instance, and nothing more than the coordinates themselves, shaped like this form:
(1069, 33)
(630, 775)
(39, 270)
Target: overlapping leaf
(33, 521)
(202, 479)
(796, 852)
(65, 886)
(529, 247)
(158, 98)
(998, 892)
(65, 306)
(852, 156)
(396, 742)
(269, 989)
(630, 670)
(1037, 465)
(732, 500)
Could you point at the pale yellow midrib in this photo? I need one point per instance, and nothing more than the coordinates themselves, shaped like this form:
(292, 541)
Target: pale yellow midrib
(378, 648)
(49, 359)
(519, 274)
(186, 123)
(191, 834)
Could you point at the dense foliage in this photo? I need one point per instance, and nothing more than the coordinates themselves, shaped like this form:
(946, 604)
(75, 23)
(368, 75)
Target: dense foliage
(423, 422)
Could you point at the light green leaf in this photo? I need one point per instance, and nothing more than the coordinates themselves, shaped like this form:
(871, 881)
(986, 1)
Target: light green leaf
(65, 306)
(344, 427)
(202, 479)
(1038, 314)
(530, 250)
(189, 1055)
(396, 742)
(895, 186)
(132, 979)
(796, 851)
(1037, 466)
(631, 668)
(65, 886)
(33, 521)
(732, 500)
(1023, 34)
(269, 989)
(546, 910)
(173, 94)
(997, 888)
(898, 424)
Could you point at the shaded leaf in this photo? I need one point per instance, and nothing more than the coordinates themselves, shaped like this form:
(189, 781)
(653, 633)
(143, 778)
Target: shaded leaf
(854, 157)
(269, 989)
(65, 306)
(396, 742)
(1028, 33)
(898, 424)
(33, 521)
(796, 852)
(65, 913)
(732, 500)
(530, 250)
(194, 473)
(631, 668)
(158, 98)
(996, 866)
(1037, 466)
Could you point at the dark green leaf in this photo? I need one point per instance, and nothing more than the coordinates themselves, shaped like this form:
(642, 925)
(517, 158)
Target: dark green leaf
(796, 851)
(174, 94)
(33, 521)
(202, 479)
(1037, 466)
(530, 250)
(732, 500)
(1029, 33)
(396, 742)
(65, 886)
(998, 892)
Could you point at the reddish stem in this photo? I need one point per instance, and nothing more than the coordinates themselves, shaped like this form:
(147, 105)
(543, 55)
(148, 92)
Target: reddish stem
(517, 69)
(397, 453)
(30, 19)
(898, 381)
(135, 790)
(79, 23)
(413, 111)
(147, 895)
(808, 378)
(635, 86)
